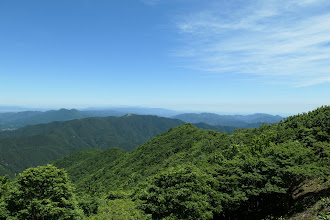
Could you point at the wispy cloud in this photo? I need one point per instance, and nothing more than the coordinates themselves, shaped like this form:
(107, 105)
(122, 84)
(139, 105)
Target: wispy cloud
(285, 41)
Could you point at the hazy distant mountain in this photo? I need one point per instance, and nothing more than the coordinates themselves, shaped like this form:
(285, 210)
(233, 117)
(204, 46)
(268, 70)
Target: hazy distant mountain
(102, 113)
(14, 120)
(12, 109)
(259, 117)
(119, 111)
(11, 120)
(242, 121)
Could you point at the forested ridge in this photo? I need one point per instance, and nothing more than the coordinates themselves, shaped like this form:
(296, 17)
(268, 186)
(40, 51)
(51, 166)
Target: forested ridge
(39, 144)
(191, 173)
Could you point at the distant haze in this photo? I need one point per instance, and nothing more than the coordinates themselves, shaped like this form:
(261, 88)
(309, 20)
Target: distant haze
(175, 110)
(220, 56)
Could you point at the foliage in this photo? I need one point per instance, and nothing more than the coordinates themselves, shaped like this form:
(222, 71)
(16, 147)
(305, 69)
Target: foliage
(180, 193)
(124, 209)
(88, 204)
(4, 183)
(86, 162)
(226, 129)
(324, 204)
(149, 159)
(42, 193)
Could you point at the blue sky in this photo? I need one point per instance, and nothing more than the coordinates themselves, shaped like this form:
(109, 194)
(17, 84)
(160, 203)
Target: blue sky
(239, 56)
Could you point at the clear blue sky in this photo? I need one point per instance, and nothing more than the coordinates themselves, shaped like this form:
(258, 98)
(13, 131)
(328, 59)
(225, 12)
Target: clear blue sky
(239, 56)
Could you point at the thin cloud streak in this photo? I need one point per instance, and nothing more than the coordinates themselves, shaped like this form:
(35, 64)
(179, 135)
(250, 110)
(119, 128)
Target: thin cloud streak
(263, 39)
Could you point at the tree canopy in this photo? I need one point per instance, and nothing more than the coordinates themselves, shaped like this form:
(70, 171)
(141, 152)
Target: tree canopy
(43, 192)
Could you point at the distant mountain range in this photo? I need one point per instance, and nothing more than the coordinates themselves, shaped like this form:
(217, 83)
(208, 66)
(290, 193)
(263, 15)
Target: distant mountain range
(14, 120)
(11, 119)
(241, 121)
(120, 111)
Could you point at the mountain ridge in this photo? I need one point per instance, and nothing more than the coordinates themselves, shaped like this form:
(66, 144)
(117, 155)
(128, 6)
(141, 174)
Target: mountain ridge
(38, 144)
(242, 121)
(14, 120)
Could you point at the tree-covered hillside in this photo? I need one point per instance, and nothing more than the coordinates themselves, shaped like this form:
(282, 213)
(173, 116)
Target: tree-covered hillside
(38, 144)
(86, 162)
(190, 173)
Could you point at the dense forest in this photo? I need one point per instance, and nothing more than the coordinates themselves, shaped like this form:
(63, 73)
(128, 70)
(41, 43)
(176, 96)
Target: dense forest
(39, 144)
(272, 172)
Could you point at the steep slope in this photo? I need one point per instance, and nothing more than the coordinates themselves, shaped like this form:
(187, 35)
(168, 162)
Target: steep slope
(175, 146)
(86, 162)
(39, 144)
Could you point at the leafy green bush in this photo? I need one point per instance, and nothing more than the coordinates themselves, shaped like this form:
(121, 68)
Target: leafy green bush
(123, 209)
(42, 193)
(183, 192)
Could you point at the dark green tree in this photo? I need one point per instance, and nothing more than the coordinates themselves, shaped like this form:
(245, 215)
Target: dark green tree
(43, 193)
(183, 192)
(4, 182)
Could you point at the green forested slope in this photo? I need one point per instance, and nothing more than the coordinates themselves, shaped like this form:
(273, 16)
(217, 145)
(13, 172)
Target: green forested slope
(226, 129)
(193, 173)
(172, 147)
(39, 144)
(87, 162)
